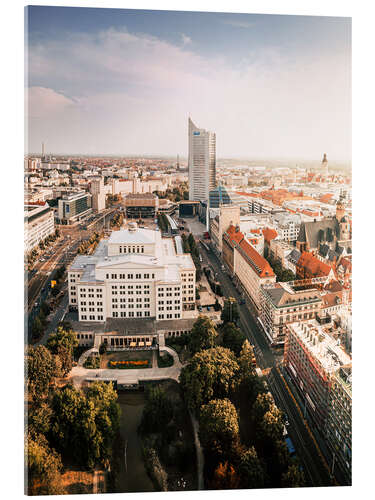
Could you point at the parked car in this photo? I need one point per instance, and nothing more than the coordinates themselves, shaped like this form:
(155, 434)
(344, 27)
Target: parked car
(200, 309)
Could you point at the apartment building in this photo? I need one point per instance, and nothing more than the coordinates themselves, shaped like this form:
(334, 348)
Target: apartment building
(134, 274)
(286, 303)
(38, 224)
(312, 357)
(339, 421)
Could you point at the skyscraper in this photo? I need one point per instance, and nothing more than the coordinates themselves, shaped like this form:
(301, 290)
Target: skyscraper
(202, 162)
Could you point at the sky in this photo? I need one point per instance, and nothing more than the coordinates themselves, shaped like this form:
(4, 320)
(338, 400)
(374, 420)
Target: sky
(123, 82)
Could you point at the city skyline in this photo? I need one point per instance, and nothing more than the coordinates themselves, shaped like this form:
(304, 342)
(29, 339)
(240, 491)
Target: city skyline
(124, 84)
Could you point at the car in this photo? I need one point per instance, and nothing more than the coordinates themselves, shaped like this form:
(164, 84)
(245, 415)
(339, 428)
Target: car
(242, 301)
(208, 308)
(200, 309)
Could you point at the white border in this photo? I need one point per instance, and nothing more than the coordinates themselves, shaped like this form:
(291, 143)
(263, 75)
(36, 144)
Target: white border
(12, 238)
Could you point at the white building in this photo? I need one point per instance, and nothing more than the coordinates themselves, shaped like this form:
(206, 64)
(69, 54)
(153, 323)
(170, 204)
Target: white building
(202, 162)
(134, 274)
(98, 194)
(38, 224)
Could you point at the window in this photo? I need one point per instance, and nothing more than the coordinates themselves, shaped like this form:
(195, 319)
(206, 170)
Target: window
(147, 313)
(130, 276)
(147, 276)
(137, 276)
(114, 276)
(115, 314)
(84, 316)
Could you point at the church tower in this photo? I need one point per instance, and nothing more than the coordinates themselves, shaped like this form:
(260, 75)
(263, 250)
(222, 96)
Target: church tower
(340, 209)
(325, 165)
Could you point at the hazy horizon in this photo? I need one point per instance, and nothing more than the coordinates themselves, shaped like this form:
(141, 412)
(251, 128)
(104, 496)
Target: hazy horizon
(109, 80)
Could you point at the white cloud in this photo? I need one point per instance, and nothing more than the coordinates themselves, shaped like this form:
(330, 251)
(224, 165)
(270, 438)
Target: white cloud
(44, 102)
(185, 39)
(132, 93)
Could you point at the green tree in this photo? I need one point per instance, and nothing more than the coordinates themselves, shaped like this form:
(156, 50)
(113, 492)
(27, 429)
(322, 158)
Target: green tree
(158, 410)
(233, 338)
(203, 335)
(293, 477)
(210, 374)
(43, 467)
(287, 275)
(263, 403)
(246, 360)
(37, 328)
(251, 470)
(62, 343)
(218, 426)
(40, 370)
(39, 418)
(84, 425)
(230, 312)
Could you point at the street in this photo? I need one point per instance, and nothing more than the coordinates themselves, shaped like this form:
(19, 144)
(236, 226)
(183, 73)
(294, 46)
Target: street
(315, 468)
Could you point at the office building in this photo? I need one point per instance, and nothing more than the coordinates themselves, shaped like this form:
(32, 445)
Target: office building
(74, 207)
(134, 274)
(202, 162)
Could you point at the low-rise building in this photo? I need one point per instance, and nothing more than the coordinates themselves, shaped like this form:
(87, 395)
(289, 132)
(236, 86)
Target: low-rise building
(141, 206)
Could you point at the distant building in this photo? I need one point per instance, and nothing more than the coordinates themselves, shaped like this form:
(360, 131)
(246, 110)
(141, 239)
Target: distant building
(98, 194)
(202, 162)
(247, 266)
(74, 207)
(38, 224)
(229, 215)
(309, 266)
(332, 234)
(141, 206)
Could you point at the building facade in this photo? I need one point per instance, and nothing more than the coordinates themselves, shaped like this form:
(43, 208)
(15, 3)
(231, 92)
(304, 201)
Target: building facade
(339, 421)
(141, 206)
(74, 207)
(286, 303)
(39, 223)
(134, 274)
(312, 356)
(202, 162)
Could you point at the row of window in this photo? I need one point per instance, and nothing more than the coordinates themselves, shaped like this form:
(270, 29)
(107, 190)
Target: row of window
(129, 276)
(169, 316)
(131, 249)
(130, 314)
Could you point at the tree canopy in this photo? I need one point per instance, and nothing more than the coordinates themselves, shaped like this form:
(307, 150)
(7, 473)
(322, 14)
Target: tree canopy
(43, 467)
(233, 338)
(62, 343)
(40, 370)
(84, 425)
(211, 373)
(251, 470)
(218, 426)
(203, 335)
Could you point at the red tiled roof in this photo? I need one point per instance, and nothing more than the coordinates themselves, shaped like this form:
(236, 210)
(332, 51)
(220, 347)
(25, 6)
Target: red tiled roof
(269, 234)
(233, 235)
(258, 263)
(254, 195)
(313, 265)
